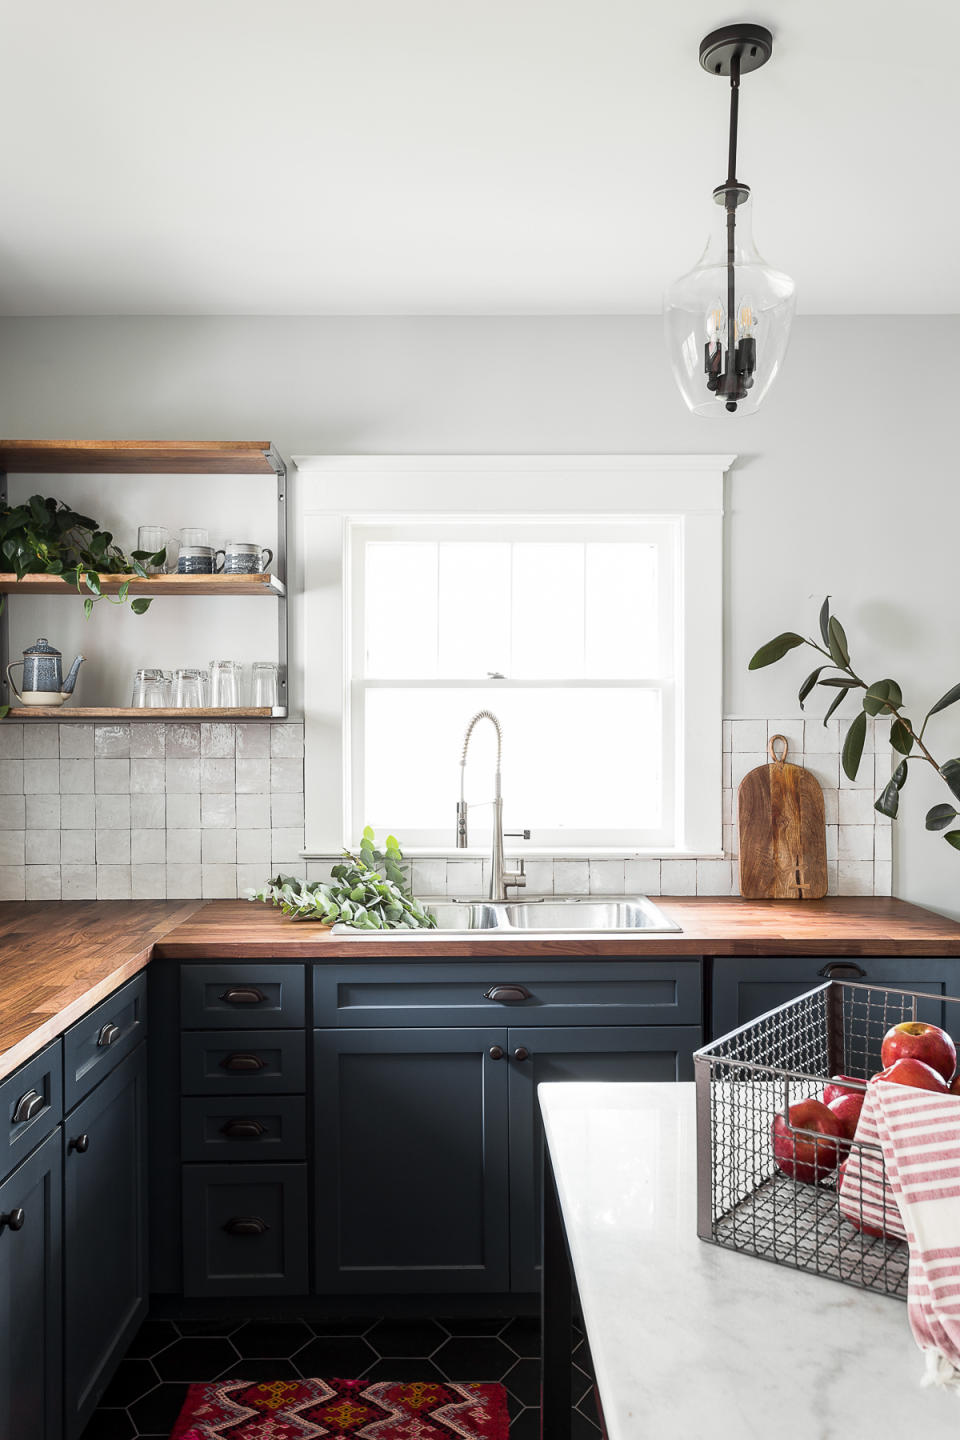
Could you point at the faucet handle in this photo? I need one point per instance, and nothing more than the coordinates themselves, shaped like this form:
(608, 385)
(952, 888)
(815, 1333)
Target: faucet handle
(515, 879)
(516, 834)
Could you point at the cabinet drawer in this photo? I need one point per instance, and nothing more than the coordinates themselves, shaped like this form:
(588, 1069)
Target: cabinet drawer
(98, 1042)
(242, 1062)
(239, 1129)
(31, 1104)
(245, 1230)
(579, 992)
(227, 996)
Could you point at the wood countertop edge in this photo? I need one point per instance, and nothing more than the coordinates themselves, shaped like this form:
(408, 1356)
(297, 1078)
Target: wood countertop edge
(232, 930)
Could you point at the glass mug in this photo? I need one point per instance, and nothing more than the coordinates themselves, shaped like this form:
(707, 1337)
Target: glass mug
(242, 557)
(153, 538)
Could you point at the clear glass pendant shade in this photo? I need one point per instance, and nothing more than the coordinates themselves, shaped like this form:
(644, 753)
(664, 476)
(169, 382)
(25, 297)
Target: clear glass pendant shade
(721, 312)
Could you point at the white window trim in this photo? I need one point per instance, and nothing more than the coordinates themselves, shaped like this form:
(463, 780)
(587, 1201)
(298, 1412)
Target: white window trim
(333, 491)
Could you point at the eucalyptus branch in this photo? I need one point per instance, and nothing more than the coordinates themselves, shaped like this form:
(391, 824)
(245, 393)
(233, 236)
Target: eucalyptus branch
(883, 697)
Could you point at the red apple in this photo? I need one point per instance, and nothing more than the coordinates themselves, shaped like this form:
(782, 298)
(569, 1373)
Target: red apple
(908, 1071)
(955, 1087)
(834, 1090)
(807, 1157)
(915, 1040)
(857, 1222)
(847, 1107)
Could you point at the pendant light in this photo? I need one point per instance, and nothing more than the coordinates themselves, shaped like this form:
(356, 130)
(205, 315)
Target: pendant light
(728, 319)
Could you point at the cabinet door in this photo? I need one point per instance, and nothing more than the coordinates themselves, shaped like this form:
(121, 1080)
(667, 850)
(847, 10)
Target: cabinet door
(411, 1160)
(105, 1233)
(745, 987)
(573, 1052)
(245, 1230)
(31, 1379)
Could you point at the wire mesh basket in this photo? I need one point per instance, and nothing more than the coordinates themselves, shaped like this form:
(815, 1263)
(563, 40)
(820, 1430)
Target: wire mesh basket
(745, 1079)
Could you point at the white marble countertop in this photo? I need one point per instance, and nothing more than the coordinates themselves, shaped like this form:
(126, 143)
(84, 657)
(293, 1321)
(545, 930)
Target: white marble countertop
(691, 1340)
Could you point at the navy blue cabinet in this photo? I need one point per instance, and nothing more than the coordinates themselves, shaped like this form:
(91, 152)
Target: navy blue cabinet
(105, 1232)
(585, 1053)
(410, 1160)
(745, 987)
(245, 1229)
(31, 1314)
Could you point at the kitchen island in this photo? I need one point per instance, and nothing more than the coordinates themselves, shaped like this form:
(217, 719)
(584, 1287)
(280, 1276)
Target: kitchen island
(691, 1340)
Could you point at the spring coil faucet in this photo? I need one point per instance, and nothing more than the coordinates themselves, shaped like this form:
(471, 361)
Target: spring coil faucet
(499, 878)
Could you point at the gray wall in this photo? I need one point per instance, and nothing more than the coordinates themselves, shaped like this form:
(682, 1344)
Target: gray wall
(845, 481)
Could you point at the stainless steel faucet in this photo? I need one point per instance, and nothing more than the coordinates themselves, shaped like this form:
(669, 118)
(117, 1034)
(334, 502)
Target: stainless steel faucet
(499, 878)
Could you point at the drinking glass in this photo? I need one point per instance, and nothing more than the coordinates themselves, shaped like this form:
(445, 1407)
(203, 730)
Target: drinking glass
(153, 538)
(194, 535)
(224, 683)
(264, 684)
(187, 692)
(149, 690)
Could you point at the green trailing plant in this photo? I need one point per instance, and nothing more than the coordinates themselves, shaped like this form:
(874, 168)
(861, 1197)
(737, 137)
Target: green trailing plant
(368, 891)
(44, 536)
(881, 699)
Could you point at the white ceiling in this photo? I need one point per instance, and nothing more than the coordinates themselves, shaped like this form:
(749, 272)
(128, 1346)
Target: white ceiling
(465, 156)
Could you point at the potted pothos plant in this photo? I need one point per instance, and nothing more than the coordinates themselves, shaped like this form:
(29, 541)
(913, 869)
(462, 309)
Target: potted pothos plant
(43, 536)
(881, 699)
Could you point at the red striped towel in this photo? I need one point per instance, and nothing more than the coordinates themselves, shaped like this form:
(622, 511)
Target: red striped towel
(919, 1134)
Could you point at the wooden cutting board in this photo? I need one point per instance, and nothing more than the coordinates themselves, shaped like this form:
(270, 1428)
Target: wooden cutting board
(783, 839)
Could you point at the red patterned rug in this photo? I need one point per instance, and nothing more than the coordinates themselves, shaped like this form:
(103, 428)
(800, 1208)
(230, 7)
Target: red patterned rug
(343, 1410)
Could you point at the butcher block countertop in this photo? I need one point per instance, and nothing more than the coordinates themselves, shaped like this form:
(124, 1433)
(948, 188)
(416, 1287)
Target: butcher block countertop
(59, 959)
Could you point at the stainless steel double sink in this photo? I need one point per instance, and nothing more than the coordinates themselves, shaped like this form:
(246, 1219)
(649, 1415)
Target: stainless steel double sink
(620, 916)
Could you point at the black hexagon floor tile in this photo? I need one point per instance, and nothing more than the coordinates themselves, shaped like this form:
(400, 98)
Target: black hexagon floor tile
(472, 1324)
(156, 1413)
(342, 1324)
(152, 1337)
(213, 1325)
(405, 1337)
(261, 1338)
(195, 1359)
(110, 1425)
(471, 1358)
(335, 1356)
(522, 1334)
(133, 1379)
(405, 1368)
(523, 1380)
(270, 1367)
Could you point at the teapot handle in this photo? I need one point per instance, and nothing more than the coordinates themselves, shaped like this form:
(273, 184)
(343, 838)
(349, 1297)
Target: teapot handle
(10, 680)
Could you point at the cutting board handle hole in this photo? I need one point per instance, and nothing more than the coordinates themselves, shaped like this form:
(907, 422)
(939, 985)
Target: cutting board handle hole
(772, 747)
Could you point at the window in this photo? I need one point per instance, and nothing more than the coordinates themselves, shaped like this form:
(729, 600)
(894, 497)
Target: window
(583, 612)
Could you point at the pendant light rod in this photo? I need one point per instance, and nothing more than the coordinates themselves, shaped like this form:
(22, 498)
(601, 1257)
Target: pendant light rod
(734, 119)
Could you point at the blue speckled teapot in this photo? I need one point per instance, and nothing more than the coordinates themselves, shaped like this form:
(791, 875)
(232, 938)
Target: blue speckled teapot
(43, 681)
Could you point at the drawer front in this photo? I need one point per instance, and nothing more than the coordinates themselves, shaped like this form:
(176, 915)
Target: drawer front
(242, 1062)
(31, 1105)
(214, 997)
(245, 1230)
(237, 1129)
(579, 992)
(98, 1042)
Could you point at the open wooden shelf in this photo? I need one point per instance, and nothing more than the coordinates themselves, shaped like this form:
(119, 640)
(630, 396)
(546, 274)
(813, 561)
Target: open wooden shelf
(208, 585)
(166, 712)
(140, 457)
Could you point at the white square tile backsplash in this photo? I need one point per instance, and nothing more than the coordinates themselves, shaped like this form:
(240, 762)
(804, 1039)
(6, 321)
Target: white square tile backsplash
(188, 811)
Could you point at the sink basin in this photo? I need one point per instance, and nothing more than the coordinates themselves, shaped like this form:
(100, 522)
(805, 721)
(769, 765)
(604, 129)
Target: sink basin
(620, 916)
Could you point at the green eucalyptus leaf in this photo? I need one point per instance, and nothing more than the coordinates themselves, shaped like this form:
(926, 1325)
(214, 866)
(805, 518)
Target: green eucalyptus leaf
(775, 649)
(853, 746)
(877, 697)
(837, 642)
(940, 816)
(840, 682)
(900, 737)
(825, 622)
(951, 697)
(952, 837)
(899, 776)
